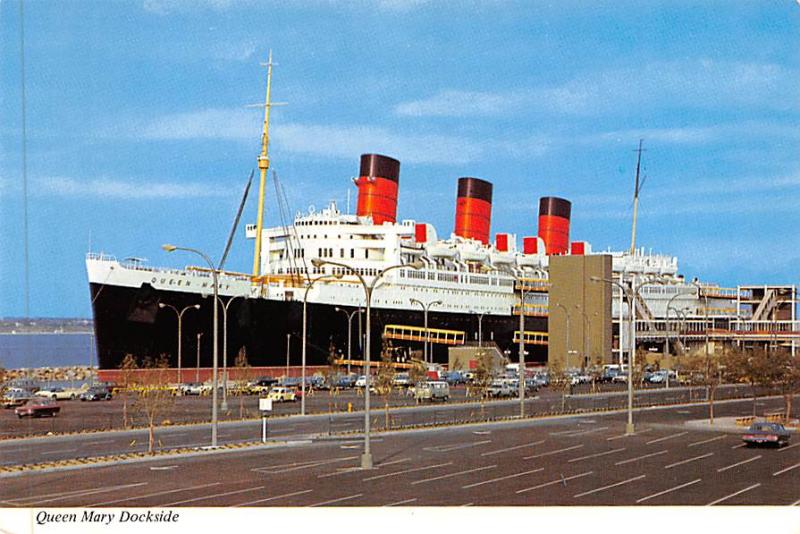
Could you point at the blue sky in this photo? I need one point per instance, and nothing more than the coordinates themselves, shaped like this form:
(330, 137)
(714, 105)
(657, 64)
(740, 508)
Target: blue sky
(139, 134)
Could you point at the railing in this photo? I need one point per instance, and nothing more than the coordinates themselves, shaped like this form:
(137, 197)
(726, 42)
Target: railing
(416, 333)
(533, 284)
(532, 338)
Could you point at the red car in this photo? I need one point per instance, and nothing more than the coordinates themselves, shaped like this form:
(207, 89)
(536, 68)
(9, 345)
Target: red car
(766, 434)
(38, 408)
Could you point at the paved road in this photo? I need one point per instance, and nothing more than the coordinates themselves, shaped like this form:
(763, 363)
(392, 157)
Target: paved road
(51, 448)
(569, 461)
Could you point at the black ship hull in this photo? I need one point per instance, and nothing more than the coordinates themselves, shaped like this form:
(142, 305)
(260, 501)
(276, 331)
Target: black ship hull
(130, 321)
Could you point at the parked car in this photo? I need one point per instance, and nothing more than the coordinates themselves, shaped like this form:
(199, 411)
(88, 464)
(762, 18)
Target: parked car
(434, 390)
(289, 382)
(282, 394)
(59, 393)
(16, 397)
(261, 385)
(346, 381)
(38, 408)
(96, 394)
(362, 381)
(531, 385)
(454, 378)
(193, 388)
(499, 388)
(766, 434)
(401, 380)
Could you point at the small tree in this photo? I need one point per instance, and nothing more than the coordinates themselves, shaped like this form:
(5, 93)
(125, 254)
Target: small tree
(705, 370)
(243, 372)
(384, 379)
(790, 382)
(559, 379)
(128, 367)
(154, 397)
(753, 368)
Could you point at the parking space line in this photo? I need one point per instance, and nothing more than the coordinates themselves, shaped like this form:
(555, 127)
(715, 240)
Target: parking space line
(629, 460)
(212, 496)
(276, 497)
(776, 473)
(646, 430)
(456, 446)
(406, 471)
(795, 503)
(668, 491)
(67, 494)
(570, 433)
(603, 488)
(561, 480)
(450, 475)
(58, 451)
(515, 475)
(733, 494)
(356, 496)
(286, 468)
(670, 466)
(753, 459)
(789, 447)
(666, 438)
(524, 445)
(596, 455)
(739, 446)
(342, 471)
(706, 441)
(401, 502)
(137, 497)
(550, 453)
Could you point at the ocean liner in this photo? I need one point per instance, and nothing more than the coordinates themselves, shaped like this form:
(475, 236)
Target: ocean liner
(472, 287)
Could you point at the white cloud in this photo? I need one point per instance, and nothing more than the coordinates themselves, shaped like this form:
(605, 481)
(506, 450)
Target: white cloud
(130, 190)
(691, 83)
(234, 51)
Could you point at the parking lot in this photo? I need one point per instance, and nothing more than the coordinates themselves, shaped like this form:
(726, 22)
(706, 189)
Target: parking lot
(581, 460)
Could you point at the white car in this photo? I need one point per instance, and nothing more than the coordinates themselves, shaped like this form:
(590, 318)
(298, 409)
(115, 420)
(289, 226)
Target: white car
(58, 393)
(362, 381)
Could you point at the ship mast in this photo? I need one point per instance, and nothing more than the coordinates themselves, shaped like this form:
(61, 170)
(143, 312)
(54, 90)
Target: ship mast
(263, 166)
(636, 199)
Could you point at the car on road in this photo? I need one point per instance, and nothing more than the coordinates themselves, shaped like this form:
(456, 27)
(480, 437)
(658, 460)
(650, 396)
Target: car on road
(401, 380)
(500, 388)
(193, 388)
(59, 393)
(38, 408)
(261, 385)
(766, 434)
(362, 381)
(282, 394)
(96, 394)
(15, 397)
(433, 390)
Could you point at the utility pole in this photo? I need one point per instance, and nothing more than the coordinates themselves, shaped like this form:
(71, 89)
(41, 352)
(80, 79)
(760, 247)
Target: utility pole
(636, 198)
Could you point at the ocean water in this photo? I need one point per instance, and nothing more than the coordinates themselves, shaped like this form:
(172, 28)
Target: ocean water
(46, 350)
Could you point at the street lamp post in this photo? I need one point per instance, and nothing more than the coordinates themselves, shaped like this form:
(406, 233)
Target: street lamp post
(215, 352)
(366, 457)
(630, 292)
(197, 367)
(425, 308)
(225, 307)
(180, 320)
(305, 335)
(480, 328)
(349, 316)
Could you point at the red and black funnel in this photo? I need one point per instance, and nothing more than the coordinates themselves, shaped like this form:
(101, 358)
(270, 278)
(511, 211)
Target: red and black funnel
(554, 215)
(474, 209)
(377, 183)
